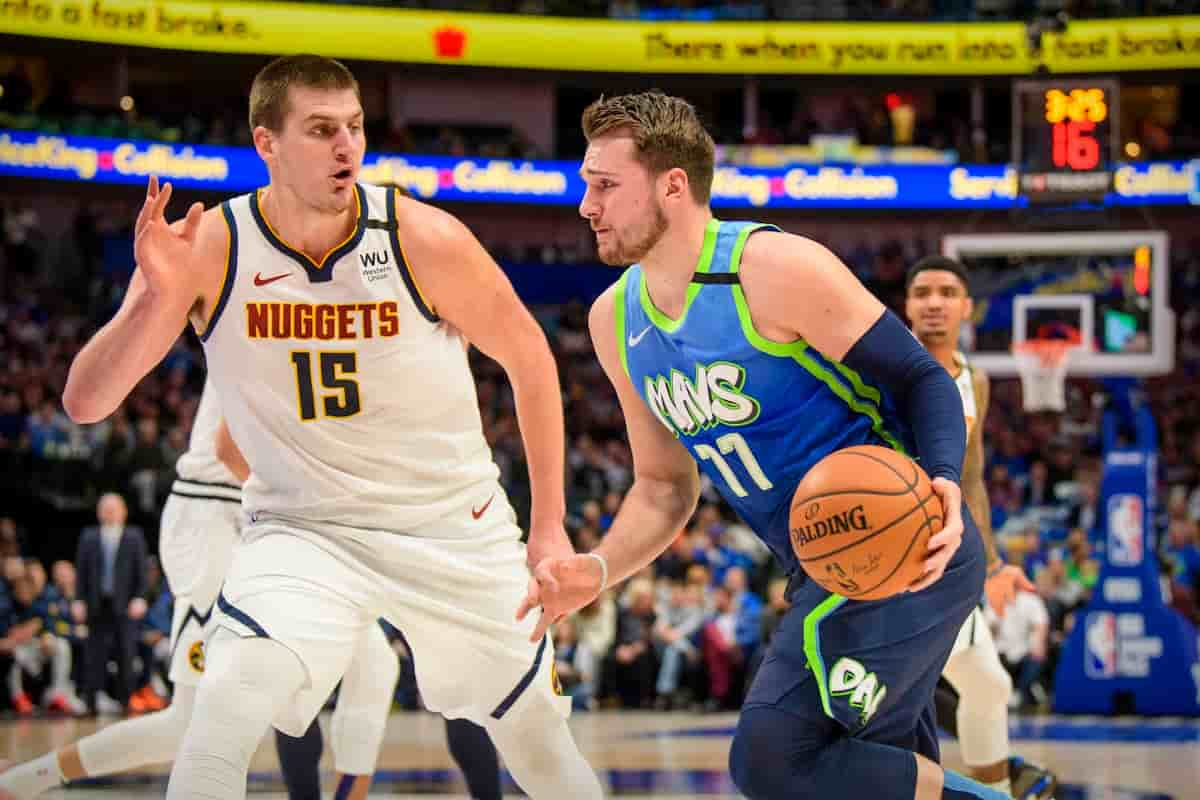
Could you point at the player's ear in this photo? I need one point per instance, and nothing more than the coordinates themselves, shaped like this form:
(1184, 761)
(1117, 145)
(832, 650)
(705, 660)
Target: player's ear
(676, 184)
(264, 142)
(968, 308)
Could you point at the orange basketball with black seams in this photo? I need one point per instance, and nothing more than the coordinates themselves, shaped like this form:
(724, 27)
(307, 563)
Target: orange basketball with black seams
(861, 519)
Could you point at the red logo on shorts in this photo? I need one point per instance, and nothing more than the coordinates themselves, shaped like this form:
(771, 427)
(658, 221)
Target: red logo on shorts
(449, 42)
(477, 514)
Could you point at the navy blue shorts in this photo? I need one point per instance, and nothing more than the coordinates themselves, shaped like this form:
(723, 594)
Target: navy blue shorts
(869, 669)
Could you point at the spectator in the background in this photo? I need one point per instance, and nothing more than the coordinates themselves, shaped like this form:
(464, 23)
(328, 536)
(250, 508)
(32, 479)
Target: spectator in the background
(596, 626)
(631, 667)
(11, 545)
(777, 604)
(111, 568)
(149, 471)
(674, 634)
(47, 429)
(60, 594)
(748, 607)
(675, 560)
(575, 665)
(1081, 567)
(1181, 562)
(154, 642)
(44, 659)
(1085, 507)
(722, 656)
(13, 424)
(1038, 489)
(1022, 635)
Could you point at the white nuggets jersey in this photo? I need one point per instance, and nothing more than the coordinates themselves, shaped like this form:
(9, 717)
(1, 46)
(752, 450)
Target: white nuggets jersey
(199, 464)
(352, 403)
(966, 388)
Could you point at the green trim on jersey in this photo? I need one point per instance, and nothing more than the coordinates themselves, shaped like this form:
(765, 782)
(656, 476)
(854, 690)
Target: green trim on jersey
(661, 320)
(619, 317)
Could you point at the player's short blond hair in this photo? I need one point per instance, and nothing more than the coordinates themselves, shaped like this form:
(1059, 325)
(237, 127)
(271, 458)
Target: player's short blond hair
(269, 92)
(666, 131)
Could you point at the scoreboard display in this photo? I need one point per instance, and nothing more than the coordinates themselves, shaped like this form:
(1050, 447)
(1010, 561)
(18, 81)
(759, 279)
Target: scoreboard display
(1064, 139)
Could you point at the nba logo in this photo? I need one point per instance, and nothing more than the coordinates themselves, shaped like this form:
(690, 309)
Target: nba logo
(1125, 531)
(1100, 645)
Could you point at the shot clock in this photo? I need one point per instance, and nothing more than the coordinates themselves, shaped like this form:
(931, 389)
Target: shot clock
(1064, 139)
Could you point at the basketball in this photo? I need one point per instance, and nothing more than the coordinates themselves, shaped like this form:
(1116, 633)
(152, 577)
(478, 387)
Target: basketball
(861, 519)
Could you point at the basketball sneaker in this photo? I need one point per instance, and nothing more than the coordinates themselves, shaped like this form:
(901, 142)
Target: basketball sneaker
(1031, 782)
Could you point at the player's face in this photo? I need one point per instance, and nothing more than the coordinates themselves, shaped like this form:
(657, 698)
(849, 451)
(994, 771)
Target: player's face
(936, 306)
(621, 201)
(319, 152)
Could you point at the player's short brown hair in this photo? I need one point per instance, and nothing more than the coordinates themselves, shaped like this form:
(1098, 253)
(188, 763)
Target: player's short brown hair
(666, 130)
(269, 92)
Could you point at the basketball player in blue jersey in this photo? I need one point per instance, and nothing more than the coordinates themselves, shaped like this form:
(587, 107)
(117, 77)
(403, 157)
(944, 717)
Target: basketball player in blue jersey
(937, 302)
(334, 317)
(753, 354)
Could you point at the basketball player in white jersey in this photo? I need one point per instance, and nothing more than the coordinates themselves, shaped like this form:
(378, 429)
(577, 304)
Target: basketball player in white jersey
(201, 522)
(937, 302)
(331, 314)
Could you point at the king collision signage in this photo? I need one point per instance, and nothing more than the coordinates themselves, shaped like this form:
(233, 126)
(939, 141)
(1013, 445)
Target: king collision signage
(601, 45)
(891, 186)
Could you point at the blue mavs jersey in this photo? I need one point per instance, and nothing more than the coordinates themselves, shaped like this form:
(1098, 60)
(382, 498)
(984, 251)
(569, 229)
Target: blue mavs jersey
(755, 414)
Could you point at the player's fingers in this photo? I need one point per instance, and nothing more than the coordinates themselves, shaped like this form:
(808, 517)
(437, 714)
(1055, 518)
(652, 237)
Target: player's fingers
(545, 573)
(191, 223)
(160, 204)
(933, 569)
(1024, 584)
(532, 599)
(543, 625)
(947, 537)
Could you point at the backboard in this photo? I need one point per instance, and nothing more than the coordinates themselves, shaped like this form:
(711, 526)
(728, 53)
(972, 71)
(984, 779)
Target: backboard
(1111, 287)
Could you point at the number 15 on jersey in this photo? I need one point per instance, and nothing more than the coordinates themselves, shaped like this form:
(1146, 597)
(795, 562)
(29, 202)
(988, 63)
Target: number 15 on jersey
(342, 398)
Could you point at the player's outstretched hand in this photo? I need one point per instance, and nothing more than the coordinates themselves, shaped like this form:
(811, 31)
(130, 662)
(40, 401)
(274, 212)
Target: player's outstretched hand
(944, 543)
(560, 586)
(164, 251)
(1002, 587)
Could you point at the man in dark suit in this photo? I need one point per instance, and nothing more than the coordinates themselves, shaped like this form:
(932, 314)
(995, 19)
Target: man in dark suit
(111, 566)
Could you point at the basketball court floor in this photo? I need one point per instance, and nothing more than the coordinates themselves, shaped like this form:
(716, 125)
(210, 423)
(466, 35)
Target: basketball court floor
(683, 756)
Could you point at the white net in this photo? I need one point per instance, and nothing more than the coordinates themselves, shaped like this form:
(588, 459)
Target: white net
(1043, 366)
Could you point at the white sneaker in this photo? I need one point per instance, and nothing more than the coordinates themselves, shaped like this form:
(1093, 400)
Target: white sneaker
(108, 707)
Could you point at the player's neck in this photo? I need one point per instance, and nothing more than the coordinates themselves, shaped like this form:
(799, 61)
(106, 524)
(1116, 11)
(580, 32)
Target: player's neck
(944, 355)
(669, 267)
(305, 228)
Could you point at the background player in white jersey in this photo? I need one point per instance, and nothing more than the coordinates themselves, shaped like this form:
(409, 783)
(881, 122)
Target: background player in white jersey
(201, 523)
(937, 302)
(330, 314)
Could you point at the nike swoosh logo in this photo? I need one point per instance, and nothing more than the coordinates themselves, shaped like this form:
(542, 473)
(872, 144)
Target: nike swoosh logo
(477, 514)
(633, 340)
(259, 280)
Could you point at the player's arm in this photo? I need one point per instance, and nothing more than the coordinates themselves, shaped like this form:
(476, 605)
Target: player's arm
(467, 289)
(1003, 581)
(666, 483)
(229, 454)
(797, 289)
(973, 486)
(167, 285)
(665, 490)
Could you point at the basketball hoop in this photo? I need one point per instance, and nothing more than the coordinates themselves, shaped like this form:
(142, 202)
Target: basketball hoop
(1042, 364)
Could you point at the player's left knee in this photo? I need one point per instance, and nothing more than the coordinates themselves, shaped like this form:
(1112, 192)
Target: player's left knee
(767, 761)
